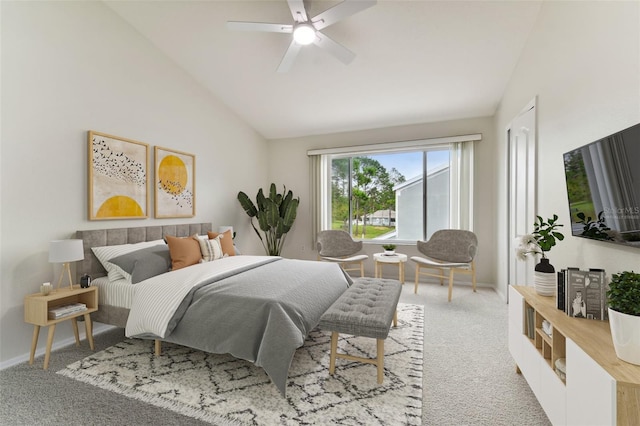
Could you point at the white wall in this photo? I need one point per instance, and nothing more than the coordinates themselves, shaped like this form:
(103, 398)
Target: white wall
(289, 165)
(68, 67)
(582, 61)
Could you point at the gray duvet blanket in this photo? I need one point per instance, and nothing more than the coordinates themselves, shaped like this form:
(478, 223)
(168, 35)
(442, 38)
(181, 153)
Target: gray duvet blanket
(262, 314)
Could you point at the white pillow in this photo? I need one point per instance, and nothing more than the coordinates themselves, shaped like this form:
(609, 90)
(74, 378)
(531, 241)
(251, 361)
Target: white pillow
(105, 253)
(210, 248)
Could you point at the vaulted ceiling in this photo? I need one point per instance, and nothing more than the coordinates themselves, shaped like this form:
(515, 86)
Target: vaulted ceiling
(416, 61)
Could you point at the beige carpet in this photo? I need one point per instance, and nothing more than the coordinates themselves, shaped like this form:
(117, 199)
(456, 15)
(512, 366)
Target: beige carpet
(469, 375)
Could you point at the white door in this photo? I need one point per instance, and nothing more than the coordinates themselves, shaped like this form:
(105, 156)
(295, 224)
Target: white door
(522, 190)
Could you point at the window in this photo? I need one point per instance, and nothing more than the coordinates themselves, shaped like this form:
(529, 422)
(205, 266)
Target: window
(402, 193)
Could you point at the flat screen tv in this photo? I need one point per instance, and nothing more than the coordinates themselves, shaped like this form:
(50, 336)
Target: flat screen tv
(603, 187)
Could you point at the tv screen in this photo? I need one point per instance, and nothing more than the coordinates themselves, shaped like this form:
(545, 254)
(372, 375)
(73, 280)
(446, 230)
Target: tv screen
(603, 187)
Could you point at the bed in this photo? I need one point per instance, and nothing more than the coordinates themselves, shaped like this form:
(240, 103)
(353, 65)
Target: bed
(257, 308)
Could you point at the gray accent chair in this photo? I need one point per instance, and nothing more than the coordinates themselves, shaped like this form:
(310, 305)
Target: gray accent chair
(453, 250)
(338, 246)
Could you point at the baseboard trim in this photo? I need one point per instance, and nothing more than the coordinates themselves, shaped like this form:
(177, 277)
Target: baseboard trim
(97, 329)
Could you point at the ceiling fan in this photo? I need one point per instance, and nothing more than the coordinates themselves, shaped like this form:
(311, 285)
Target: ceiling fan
(306, 30)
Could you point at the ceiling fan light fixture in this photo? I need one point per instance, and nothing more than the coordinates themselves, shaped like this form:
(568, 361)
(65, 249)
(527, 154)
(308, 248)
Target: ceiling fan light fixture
(304, 33)
(306, 30)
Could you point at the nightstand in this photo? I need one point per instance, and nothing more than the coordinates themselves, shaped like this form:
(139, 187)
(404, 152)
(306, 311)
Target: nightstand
(38, 305)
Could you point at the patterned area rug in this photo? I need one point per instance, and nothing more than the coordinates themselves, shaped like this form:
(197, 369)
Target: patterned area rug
(221, 389)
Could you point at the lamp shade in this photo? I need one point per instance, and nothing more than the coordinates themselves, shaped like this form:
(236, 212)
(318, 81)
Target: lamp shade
(63, 251)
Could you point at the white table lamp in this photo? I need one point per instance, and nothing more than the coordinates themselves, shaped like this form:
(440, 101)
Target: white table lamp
(65, 252)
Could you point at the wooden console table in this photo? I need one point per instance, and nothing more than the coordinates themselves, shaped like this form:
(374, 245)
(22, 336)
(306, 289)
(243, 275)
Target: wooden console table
(599, 388)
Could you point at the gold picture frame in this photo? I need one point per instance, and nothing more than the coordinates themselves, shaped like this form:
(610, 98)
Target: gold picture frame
(118, 177)
(175, 183)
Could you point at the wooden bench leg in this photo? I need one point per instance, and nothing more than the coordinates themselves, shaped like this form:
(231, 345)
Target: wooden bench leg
(334, 350)
(380, 362)
(395, 318)
(158, 347)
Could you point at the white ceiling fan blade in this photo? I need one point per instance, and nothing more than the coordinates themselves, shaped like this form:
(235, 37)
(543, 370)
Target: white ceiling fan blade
(260, 26)
(336, 49)
(289, 57)
(340, 11)
(297, 10)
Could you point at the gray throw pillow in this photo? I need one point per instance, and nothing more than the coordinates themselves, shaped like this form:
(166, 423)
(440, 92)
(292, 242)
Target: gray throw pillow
(145, 263)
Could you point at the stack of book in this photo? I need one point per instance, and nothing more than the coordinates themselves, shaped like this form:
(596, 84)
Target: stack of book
(582, 294)
(64, 310)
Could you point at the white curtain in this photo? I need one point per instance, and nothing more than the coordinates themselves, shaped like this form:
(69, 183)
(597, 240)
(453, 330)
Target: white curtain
(462, 173)
(315, 202)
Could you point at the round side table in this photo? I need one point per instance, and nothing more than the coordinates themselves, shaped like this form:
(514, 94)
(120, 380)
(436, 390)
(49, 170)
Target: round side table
(382, 258)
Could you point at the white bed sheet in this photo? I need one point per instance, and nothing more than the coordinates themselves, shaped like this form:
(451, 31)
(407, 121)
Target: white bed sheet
(114, 293)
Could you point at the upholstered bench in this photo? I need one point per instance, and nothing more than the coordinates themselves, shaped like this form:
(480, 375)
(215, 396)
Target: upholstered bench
(366, 309)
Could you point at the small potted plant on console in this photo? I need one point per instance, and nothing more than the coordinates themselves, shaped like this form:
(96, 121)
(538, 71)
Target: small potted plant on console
(623, 298)
(540, 241)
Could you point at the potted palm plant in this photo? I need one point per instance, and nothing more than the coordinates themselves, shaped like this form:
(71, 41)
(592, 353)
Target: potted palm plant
(275, 215)
(623, 298)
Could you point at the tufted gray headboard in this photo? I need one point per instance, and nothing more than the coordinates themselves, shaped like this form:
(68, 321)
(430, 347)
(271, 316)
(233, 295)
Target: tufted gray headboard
(111, 237)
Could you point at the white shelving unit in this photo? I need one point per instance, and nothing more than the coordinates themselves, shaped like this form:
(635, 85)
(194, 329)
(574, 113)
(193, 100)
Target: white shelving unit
(599, 389)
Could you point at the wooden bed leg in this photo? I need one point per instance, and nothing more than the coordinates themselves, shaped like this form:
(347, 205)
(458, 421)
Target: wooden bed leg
(158, 347)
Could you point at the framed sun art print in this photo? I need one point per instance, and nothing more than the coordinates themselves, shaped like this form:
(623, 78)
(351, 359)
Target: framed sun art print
(118, 177)
(175, 185)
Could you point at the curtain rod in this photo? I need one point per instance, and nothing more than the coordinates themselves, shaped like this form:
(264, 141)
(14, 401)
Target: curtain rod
(396, 145)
